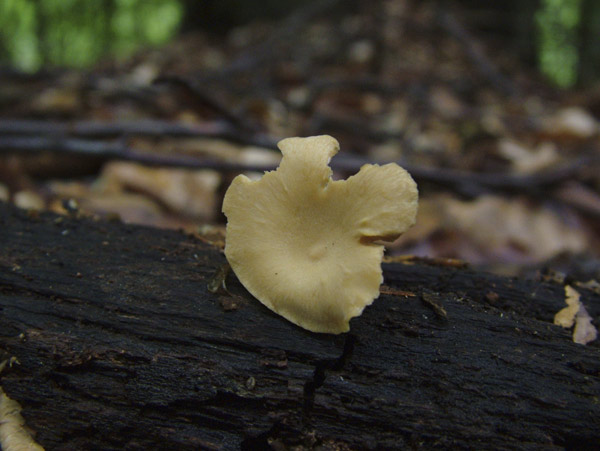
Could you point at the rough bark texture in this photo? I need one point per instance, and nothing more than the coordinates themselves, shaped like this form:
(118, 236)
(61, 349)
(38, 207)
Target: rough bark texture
(121, 346)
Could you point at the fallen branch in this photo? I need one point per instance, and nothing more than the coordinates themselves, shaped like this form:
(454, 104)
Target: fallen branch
(196, 90)
(464, 182)
(96, 129)
(118, 151)
(148, 127)
(353, 126)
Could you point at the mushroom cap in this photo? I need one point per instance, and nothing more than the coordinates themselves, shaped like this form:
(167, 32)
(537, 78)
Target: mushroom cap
(304, 245)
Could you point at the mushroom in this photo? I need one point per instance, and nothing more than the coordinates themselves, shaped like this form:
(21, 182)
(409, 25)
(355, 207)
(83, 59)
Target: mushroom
(306, 246)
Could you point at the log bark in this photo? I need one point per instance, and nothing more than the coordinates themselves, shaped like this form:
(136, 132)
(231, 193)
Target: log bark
(121, 345)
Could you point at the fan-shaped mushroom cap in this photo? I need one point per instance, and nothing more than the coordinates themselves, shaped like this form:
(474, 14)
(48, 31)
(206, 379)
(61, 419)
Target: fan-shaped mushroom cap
(303, 244)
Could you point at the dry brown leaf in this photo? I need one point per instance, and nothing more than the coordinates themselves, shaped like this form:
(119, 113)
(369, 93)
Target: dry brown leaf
(502, 225)
(492, 229)
(76, 190)
(526, 160)
(566, 317)
(388, 151)
(445, 103)
(29, 200)
(186, 192)
(129, 207)
(580, 196)
(584, 331)
(571, 122)
(575, 313)
(361, 51)
(65, 100)
(257, 156)
(429, 219)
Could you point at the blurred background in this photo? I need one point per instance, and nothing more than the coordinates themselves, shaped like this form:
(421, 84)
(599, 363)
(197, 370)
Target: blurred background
(144, 110)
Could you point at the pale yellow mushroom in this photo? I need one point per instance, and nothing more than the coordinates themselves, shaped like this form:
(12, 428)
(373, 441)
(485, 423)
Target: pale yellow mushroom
(304, 245)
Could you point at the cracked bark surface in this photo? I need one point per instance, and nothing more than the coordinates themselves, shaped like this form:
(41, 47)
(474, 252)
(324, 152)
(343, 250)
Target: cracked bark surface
(121, 346)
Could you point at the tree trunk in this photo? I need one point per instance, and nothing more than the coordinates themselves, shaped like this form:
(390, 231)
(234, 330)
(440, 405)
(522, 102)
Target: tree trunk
(120, 345)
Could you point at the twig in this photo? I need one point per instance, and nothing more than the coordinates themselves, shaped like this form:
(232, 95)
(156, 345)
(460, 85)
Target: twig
(97, 129)
(579, 197)
(12, 74)
(196, 90)
(467, 182)
(119, 151)
(354, 126)
(150, 128)
(464, 182)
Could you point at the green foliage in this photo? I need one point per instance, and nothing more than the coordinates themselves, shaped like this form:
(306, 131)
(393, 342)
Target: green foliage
(79, 32)
(558, 22)
(143, 21)
(17, 25)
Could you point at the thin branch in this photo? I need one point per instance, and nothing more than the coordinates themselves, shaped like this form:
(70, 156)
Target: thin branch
(112, 129)
(149, 128)
(468, 183)
(320, 123)
(197, 91)
(119, 151)
(9, 73)
(580, 197)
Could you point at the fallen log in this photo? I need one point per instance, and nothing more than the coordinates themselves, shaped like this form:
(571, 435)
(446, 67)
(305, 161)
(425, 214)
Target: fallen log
(121, 339)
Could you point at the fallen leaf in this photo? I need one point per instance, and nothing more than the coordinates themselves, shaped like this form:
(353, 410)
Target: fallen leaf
(580, 196)
(186, 192)
(64, 100)
(507, 227)
(575, 313)
(29, 200)
(571, 122)
(445, 103)
(566, 317)
(526, 160)
(584, 331)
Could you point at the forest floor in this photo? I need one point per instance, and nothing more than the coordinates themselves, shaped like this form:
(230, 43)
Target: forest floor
(507, 166)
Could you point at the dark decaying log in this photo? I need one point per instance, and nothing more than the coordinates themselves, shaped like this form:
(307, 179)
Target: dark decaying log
(121, 346)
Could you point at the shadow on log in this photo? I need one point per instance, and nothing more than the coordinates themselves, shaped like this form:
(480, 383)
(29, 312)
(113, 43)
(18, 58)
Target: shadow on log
(120, 345)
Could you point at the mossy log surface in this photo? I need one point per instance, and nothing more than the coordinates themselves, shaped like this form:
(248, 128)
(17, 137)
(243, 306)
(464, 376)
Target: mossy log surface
(120, 345)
